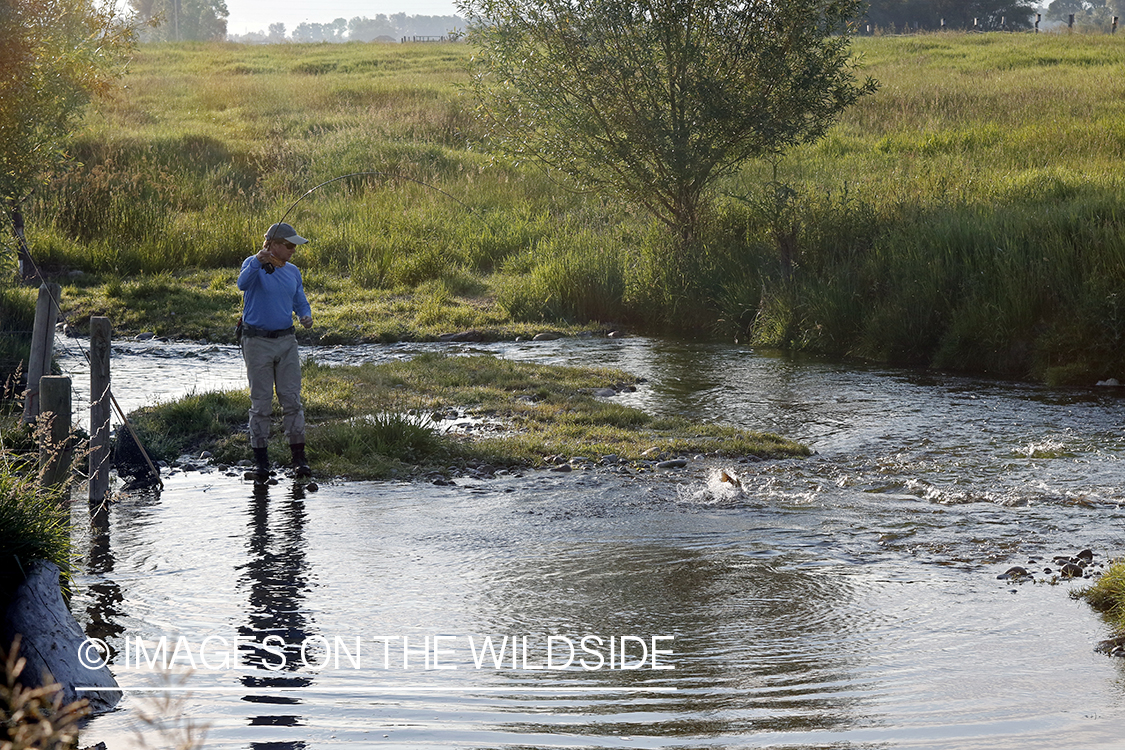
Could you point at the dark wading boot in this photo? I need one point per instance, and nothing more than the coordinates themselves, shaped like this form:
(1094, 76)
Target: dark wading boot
(300, 463)
(261, 464)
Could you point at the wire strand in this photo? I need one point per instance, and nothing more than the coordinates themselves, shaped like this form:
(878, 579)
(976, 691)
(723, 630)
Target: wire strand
(85, 353)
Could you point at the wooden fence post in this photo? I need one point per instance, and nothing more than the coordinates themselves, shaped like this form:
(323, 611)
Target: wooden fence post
(1113, 29)
(1038, 18)
(55, 449)
(100, 404)
(42, 347)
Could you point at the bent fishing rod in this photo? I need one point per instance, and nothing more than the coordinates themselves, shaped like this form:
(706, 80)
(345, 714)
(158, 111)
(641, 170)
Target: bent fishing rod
(270, 237)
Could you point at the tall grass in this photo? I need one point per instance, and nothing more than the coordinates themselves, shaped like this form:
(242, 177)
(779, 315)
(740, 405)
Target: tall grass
(34, 524)
(17, 317)
(965, 216)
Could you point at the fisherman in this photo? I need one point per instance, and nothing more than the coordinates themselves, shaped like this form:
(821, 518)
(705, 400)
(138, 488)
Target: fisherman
(272, 293)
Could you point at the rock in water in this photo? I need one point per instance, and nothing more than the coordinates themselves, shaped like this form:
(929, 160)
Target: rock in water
(52, 640)
(1070, 570)
(1015, 572)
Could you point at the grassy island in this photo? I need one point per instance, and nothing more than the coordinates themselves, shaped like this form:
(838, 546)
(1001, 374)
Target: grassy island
(435, 413)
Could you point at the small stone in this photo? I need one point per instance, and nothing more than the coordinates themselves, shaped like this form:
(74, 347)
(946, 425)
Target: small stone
(561, 468)
(312, 486)
(463, 336)
(1110, 645)
(546, 336)
(1014, 572)
(1086, 554)
(605, 392)
(674, 463)
(1070, 570)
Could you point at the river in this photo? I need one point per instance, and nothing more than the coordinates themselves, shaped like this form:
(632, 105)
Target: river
(846, 600)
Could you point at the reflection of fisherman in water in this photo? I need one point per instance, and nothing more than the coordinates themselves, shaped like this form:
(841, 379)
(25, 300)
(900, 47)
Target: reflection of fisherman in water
(103, 610)
(276, 577)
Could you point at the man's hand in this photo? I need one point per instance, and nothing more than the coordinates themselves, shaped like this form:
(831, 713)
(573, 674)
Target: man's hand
(265, 258)
(306, 321)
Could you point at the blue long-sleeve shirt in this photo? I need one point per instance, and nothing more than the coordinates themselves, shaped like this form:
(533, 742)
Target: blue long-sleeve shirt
(270, 299)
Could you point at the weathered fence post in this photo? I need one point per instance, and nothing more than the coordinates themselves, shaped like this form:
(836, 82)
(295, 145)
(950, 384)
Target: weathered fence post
(100, 404)
(42, 347)
(1070, 22)
(1038, 18)
(55, 448)
(1113, 29)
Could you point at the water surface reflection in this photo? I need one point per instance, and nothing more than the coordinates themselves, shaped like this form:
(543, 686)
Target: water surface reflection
(275, 578)
(846, 600)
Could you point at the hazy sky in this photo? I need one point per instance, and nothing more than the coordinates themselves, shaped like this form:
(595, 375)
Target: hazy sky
(256, 15)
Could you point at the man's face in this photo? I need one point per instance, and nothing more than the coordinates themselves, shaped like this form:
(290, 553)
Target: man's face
(282, 250)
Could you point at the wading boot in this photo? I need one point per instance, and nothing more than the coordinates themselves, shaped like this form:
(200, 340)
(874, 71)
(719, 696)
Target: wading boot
(261, 464)
(300, 463)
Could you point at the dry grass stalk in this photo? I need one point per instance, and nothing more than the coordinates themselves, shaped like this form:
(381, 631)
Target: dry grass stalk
(35, 717)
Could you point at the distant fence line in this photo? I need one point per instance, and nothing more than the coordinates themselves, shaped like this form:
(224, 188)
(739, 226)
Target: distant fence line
(870, 29)
(447, 38)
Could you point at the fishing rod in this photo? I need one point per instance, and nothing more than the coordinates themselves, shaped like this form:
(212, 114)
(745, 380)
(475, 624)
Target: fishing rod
(270, 237)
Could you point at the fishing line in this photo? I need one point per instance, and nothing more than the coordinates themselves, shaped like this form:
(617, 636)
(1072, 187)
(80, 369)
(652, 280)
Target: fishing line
(390, 175)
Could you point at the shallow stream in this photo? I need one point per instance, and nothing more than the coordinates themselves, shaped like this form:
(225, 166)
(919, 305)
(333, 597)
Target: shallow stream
(847, 600)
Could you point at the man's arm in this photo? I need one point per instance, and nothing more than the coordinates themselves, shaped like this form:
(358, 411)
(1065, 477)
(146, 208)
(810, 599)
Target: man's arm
(249, 274)
(301, 305)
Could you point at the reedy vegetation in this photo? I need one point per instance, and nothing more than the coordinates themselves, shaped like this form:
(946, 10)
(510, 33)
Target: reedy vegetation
(965, 216)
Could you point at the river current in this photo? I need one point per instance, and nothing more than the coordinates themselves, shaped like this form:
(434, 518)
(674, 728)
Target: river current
(845, 600)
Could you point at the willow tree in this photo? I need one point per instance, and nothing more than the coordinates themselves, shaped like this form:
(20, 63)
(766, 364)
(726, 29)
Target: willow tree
(54, 55)
(656, 100)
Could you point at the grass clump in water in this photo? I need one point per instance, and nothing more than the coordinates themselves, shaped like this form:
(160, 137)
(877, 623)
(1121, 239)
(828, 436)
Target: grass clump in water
(375, 421)
(1107, 594)
(34, 524)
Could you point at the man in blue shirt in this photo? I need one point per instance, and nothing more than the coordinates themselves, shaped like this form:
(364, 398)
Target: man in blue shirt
(272, 293)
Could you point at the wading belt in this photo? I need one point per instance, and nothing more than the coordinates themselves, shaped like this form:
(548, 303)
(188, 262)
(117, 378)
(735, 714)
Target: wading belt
(249, 330)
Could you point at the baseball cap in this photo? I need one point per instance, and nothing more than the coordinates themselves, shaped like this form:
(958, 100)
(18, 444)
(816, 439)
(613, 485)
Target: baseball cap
(283, 231)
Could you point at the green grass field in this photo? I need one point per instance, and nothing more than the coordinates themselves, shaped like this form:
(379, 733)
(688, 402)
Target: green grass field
(967, 216)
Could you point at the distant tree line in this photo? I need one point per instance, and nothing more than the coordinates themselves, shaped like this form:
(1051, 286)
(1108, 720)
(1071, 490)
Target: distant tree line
(206, 20)
(361, 29)
(181, 20)
(1087, 14)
